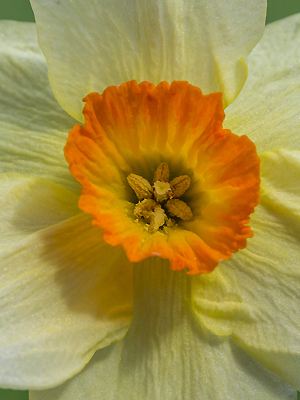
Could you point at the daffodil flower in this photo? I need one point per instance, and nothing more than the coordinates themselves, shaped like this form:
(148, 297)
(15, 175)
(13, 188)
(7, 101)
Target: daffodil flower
(150, 247)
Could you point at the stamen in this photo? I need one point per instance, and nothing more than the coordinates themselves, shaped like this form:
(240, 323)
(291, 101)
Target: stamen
(158, 204)
(157, 219)
(162, 191)
(144, 208)
(180, 185)
(140, 186)
(162, 173)
(151, 213)
(179, 209)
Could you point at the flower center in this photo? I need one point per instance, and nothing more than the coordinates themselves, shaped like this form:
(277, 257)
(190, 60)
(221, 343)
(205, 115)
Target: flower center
(194, 218)
(159, 205)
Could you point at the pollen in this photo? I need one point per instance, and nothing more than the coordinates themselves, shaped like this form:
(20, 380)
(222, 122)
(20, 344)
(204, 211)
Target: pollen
(157, 207)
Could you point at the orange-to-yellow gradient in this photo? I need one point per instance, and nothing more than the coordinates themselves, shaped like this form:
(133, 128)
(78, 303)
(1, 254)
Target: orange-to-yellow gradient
(132, 128)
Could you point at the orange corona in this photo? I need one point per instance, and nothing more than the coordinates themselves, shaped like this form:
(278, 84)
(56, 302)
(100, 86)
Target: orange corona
(130, 133)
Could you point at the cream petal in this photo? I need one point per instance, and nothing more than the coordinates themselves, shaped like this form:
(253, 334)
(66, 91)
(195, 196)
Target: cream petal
(63, 292)
(166, 356)
(33, 127)
(107, 42)
(255, 296)
(29, 204)
(267, 109)
(281, 189)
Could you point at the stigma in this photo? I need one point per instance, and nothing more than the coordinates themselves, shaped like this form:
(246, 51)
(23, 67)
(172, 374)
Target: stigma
(159, 205)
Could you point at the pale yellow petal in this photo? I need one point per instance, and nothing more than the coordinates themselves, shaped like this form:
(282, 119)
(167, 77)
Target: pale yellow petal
(90, 46)
(255, 296)
(166, 356)
(33, 127)
(281, 188)
(63, 292)
(267, 109)
(29, 204)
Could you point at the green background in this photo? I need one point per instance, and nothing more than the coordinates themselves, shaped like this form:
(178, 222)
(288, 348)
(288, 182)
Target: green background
(21, 10)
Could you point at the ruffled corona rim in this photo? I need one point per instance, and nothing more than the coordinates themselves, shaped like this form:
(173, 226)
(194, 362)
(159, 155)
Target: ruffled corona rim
(133, 129)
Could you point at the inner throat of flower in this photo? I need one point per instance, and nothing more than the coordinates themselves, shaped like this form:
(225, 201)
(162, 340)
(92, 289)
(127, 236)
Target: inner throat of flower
(159, 204)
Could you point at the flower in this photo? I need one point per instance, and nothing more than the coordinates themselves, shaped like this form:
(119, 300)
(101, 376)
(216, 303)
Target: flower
(194, 219)
(65, 292)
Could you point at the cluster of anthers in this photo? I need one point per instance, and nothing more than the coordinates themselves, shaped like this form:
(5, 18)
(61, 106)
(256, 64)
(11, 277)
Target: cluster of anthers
(159, 205)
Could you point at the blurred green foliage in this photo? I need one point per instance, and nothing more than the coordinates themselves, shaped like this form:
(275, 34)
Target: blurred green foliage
(13, 395)
(20, 9)
(278, 9)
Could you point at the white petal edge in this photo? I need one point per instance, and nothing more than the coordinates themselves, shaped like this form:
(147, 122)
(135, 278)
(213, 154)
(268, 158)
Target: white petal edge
(165, 356)
(267, 109)
(33, 127)
(63, 293)
(112, 41)
(255, 296)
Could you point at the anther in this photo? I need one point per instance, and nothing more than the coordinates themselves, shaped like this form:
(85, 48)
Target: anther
(159, 205)
(179, 209)
(180, 185)
(162, 173)
(140, 186)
